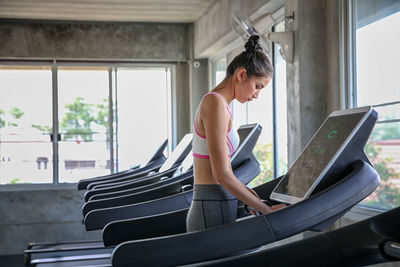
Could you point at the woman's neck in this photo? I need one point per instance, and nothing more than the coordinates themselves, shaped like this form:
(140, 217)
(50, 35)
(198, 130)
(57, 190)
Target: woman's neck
(226, 90)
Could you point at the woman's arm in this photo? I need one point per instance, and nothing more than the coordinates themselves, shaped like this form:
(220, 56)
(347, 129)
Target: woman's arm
(215, 120)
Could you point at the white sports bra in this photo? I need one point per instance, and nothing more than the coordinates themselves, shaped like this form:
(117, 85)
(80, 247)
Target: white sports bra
(199, 143)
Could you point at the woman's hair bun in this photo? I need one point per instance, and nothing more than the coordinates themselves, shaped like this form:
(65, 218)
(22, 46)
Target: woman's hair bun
(253, 44)
(254, 60)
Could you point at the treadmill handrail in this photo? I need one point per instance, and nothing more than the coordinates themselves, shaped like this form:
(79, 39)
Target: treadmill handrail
(131, 196)
(157, 159)
(128, 184)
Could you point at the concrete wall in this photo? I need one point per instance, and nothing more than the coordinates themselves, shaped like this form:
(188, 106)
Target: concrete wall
(93, 41)
(41, 216)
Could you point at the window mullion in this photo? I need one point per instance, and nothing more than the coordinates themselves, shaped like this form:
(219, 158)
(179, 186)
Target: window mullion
(347, 55)
(116, 120)
(110, 120)
(274, 119)
(55, 133)
(352, 54)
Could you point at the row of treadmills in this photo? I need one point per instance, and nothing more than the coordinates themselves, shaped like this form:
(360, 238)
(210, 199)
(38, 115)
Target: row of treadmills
(142, 214)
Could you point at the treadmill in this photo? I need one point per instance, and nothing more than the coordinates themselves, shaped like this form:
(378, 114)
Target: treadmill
(372, 241)
(167, 169)
(171, 196)
(153, 164)
(348, 179)
(245, 167)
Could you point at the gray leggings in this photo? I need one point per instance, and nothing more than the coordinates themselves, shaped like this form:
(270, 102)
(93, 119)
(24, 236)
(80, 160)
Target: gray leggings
(212, 205)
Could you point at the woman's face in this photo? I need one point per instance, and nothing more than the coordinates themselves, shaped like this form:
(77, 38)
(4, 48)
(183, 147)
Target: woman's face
(249, 88)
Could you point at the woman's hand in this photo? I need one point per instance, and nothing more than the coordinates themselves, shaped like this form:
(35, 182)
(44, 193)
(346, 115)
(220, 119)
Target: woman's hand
(274, 208)
(278, 207)
(268, 209)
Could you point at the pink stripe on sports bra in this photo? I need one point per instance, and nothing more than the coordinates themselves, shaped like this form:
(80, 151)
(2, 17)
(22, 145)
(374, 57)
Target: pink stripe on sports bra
(200, 156)
(195, 129)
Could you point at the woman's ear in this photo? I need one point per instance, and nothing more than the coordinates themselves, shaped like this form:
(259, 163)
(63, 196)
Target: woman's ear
(241, 74)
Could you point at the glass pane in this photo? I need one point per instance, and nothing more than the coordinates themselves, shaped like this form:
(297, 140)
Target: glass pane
(281, 106)
(25, 124)
(220, 70)
(383, 149)
(83, 123)
(142, 113)
(260, 111)
(378, 54)
(239, 112)
(389, 112)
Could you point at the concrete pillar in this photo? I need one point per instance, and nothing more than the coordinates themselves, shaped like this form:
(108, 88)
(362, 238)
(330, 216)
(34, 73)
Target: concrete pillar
(198, 76)
(182, 96)
(334, 101)
(200, 85)
(307, 75)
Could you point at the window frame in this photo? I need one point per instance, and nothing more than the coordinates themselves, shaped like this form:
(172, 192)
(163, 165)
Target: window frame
(275, 137)
(112, 67)
(348, 83)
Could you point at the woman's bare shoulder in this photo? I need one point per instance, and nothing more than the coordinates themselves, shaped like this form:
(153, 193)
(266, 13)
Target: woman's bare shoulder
(212, 103)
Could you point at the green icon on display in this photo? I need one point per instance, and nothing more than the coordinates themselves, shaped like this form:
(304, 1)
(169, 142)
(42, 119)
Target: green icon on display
(332, 134)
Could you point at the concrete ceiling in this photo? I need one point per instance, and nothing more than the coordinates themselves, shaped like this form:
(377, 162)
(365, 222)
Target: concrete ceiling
(179, 11)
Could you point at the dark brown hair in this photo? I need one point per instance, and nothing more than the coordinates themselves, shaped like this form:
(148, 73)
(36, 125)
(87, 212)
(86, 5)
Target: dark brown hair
(253, 60)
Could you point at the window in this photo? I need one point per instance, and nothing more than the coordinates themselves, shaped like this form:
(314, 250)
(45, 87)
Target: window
(83, 123)
(280, 107)
(219, 67)
(377, 56)
(141, 125)
(89, 140)
(25, 119)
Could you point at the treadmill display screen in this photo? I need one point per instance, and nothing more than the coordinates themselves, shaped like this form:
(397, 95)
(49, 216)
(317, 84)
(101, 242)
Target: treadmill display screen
(243, 133)
(317, 154)
(171, 160)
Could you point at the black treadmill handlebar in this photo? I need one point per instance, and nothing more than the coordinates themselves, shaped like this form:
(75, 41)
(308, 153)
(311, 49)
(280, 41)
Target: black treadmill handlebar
(371, 241)
(392, 249)
(156, 160)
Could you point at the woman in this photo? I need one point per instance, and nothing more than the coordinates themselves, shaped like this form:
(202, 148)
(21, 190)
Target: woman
(216, 189)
